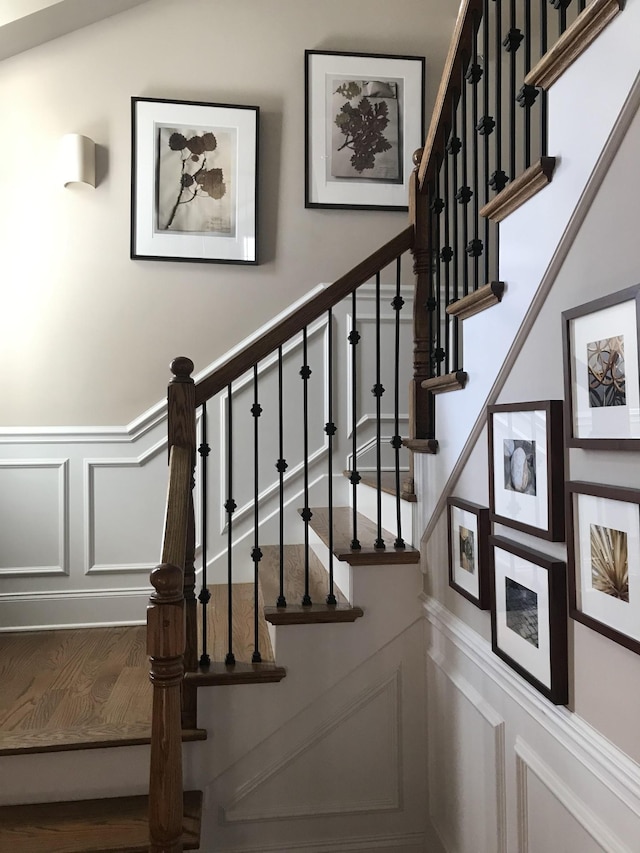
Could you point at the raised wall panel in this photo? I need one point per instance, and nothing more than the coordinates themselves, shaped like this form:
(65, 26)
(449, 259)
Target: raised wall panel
(33, 517)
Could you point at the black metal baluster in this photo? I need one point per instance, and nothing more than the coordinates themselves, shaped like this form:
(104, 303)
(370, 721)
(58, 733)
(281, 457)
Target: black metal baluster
(230, 506)
(485, 128)
(396, 441)
(582, 4)
(354, 478)
(498, 179)
(445, 257)
(453, 148)
(204, 596)
(473, 77)
(561, 6)
(511, 43)
(281, 467)
(432, 302)
(436, 305)
(527, 94)
(305, 373)
(543, 94)
(378, 391)
(464, 193)
(256, 553)
(330, 430)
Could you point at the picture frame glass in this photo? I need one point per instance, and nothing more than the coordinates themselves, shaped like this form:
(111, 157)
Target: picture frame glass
(522, 613)
(347, 166)
(194, 174)
(465, 550)
(520, 467)
(607, 556)
(603, 353)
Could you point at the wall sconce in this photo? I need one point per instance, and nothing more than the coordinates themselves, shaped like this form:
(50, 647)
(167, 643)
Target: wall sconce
(77, 160)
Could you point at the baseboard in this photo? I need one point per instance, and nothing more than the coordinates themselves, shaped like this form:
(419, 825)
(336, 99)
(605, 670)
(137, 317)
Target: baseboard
(392, 844)
(50, 611)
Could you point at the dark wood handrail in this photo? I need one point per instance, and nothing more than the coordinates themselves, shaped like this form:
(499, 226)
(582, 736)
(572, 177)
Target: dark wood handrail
(165, 647)
(461, 42)
(296, 322)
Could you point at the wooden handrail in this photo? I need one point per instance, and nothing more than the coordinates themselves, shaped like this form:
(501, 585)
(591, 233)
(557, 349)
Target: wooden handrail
(462, 41)
(165, 647)
(296, 322)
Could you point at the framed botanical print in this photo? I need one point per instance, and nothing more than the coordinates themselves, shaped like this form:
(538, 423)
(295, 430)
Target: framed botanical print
(529, 616)
(604, 560)
(364, 120)
(601, 373)
(469, 529)
(194, 178)
(526, 465)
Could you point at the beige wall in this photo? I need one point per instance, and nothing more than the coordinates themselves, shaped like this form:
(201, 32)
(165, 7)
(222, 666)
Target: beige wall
(86, 334)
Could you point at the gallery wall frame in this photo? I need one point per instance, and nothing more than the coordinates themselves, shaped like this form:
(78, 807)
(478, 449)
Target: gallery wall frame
(347, 94)
(469, 529)
(603, 549)
(526, 467)
(529, 616)
(194, 181)
(601, 342)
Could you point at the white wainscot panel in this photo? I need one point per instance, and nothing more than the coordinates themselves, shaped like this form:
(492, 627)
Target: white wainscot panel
(33, 517)
(467, 795)
(551, 817)
(124, 510)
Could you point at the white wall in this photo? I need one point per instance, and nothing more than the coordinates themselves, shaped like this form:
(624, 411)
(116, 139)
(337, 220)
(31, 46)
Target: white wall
(88, 332)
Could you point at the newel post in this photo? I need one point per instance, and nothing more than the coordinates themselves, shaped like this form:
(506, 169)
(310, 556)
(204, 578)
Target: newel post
(165, 646)
(182, 432)
(421, 424)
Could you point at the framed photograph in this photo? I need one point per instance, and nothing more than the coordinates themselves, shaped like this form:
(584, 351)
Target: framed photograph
(469, 529)
(604, 560)
(194, 178)
(600, 355)
(526, 467)
(364, 119)
(529, 616)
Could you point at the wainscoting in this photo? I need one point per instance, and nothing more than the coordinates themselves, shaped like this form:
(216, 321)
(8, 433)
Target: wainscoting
(509, 772)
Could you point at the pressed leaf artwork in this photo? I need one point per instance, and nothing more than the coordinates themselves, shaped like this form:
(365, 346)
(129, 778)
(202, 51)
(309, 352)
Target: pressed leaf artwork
(606, 373)
(519, 459)
(609, 561)
(365, 130)
(467, 549)
(522, 610)
(195, 180)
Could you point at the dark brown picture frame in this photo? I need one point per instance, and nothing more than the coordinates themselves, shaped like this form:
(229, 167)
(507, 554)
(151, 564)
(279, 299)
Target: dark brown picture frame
(483, 530)
(574, 529)
(555, 529)
(556, 622)
(568, 318)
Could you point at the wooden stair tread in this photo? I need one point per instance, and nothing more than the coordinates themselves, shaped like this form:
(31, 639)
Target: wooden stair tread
(387, 482)
(520, 190)
(476, 301)
(114, 825)
(218, 674)
(367, 535)
(314, 614)
(448, 382)
(294, 577)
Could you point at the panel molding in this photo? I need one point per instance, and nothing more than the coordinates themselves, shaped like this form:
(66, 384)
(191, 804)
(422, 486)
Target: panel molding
(391, 686)
(528, 760)
(608, 764)
(62, 568)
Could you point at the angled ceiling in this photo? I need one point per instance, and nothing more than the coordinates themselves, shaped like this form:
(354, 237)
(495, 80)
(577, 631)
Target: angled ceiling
(27, 23)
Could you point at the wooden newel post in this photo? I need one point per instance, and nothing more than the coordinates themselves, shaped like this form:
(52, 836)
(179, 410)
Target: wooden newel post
(165, 647)
(421, 424)
(182, 432)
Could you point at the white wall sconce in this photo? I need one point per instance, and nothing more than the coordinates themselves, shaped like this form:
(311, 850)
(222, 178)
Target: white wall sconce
(77, 160)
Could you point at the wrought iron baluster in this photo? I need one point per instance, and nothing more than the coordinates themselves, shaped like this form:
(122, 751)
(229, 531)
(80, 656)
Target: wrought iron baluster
(528, 94)
(465, 193)
(230, 507)
(354, 478)
(256, 553)
(436, 208)
(396, 441)
(485, 128)
(281, 467)
(204, 597)
(445, 258)
(378, 391)
(453, 149)
(330, 430)
(305, 373)
(511, 44)
(543, 94)
(474, 76)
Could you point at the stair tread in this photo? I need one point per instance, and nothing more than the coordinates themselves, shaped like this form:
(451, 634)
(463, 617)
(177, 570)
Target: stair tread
(387, 484)
(219, 674)
(294, 576)
(297, 614)
(367, 534)
(113, 825)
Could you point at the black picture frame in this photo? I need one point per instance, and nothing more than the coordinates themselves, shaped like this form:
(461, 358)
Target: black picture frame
(536, 430)
(469, 567)
(194, 181)
(598, 398)
(534, 641)
(363, 179)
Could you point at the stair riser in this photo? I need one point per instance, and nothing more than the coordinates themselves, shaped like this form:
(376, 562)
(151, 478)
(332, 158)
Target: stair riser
(368, 505)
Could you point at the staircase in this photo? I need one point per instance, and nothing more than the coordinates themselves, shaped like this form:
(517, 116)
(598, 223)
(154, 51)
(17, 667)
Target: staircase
(347, 696)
